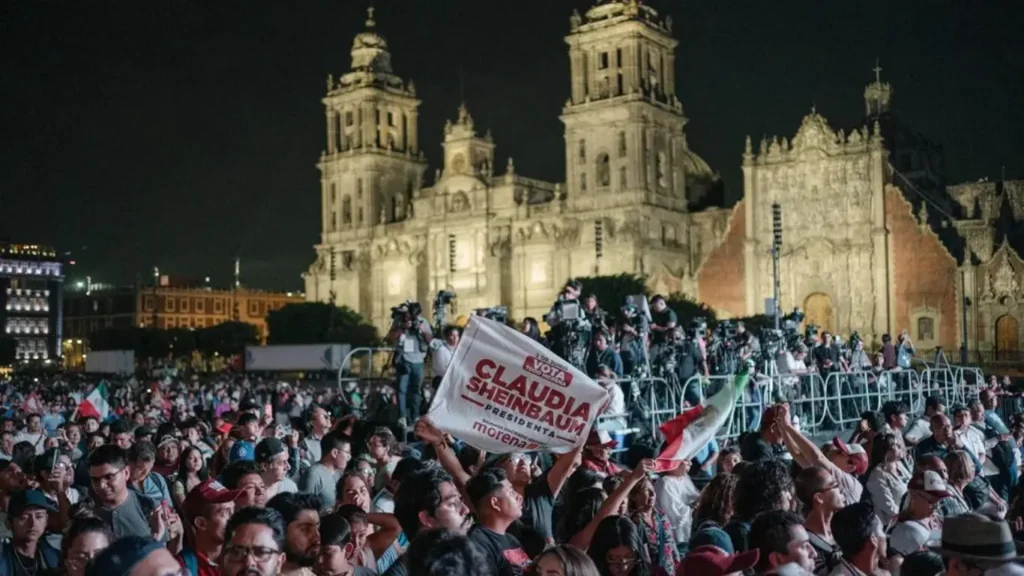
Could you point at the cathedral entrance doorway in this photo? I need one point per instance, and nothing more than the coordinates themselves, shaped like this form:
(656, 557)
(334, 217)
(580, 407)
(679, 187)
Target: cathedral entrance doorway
(818, 310)
(1006, 337)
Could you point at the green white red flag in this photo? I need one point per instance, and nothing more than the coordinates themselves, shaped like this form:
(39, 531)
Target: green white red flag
(95, 404)
(687, 434)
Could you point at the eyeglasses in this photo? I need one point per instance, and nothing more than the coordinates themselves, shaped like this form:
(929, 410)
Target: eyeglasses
(831, 486)
(260, 554)
(623, 562)
(106, 478)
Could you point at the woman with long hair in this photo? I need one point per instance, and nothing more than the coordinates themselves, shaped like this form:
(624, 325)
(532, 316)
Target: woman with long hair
(562, 560)
(715, 505)
(579, 509)
(86, 537)
(655, 529)
(191, 473)
(617, 549)
(886, 483)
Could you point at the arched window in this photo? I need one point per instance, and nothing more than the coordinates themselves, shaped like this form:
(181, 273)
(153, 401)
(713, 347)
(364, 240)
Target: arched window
(346, 210)
(925, 329)
(604, 175)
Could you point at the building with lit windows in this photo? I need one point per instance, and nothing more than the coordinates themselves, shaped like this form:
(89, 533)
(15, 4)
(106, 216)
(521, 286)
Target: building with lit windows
(31, 282)
(170, 304)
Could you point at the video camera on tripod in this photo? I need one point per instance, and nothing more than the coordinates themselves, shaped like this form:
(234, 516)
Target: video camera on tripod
(443, 298)
(571, 330)
(496, 313)
(407, 311)
(722, 349)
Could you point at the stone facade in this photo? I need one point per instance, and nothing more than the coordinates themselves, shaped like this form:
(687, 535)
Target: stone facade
(506, 239)
(874, 241)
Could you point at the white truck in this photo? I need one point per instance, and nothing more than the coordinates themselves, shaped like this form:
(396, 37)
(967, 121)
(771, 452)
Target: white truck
(295, 357)
(110, 362)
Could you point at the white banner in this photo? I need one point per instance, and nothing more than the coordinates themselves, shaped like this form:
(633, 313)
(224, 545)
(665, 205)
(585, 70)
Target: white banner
(504, 392)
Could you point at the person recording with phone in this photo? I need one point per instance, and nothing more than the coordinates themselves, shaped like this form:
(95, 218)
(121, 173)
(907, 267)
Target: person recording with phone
(411, 335)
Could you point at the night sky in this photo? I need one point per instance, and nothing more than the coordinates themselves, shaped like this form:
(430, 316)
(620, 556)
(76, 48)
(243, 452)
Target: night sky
(180, 133)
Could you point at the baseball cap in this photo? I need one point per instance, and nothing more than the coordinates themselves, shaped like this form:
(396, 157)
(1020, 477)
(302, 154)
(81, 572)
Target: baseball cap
(930, 482)
(224, 428)
(241, 450)
(209, 491)
(25, 499)
(713, 561)
(143, 431)
(601, 438)
(856, 452)
(268, 448)
(121, 556)
(166, 440)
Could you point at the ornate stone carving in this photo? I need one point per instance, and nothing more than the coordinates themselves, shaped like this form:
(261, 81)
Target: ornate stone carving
(1003, 282)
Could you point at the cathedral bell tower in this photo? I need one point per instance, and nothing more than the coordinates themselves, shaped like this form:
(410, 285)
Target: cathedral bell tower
(372, 166)
(624, 137)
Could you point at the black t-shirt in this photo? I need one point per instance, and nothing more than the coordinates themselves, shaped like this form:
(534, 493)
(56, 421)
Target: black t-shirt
(754, 448)
(663, 318)
(503, 552)
(823, 353)
(534, 527)
(689, 359)
(739, 532)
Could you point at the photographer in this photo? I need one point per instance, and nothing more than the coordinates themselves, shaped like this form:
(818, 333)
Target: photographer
(571, 330)
(594, 313)
(663, 320)
(690, 362)
(411, 335)
(602, 354)
(632, 327)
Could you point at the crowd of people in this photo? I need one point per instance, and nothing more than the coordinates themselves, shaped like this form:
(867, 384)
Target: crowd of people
(236, 477)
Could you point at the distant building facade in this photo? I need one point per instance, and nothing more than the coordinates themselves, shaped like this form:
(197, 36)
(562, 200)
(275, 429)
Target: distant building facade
(31, 283)
(168, 306)
(627, 203)
(874, 238)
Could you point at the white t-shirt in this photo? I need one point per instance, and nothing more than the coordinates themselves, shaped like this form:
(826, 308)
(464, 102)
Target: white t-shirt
(36, 440)
(440, 356)
(616, 405)
(911, 536)
(919, 430)
(674, 495)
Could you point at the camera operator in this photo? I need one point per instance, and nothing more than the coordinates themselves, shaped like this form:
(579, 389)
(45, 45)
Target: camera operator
(602, 354)
(570, 334)
(597, 316)
(411, 335)
(690, 362)
(827, 356)
(747, 345)
(631, 328)
(663, 320)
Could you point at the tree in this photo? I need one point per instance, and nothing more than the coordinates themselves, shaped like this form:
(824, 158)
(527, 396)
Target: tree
(687, 309)
(226, 338)
(319, 323)
(8, 350)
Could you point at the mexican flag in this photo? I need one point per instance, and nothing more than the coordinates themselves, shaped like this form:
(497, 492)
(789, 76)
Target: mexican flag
(95, 404)
(691, 431)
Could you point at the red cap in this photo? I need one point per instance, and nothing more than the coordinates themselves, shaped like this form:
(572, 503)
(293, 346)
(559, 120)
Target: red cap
(855, 452)
(601, 438)
(209, 492)
(224, 428)
(713, 561)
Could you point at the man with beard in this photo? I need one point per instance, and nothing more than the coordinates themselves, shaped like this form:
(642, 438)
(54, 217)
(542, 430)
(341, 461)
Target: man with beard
(427, 499)
(254, 543)
(27, 553)
(337, 548)
(208, 507)
(301, 514)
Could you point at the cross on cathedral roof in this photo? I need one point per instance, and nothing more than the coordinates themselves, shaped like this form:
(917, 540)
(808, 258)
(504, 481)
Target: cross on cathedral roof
(370, 22)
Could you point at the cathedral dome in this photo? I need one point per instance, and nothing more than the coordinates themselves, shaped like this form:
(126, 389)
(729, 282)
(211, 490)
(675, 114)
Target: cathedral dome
(370, 50)
(694, 164)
